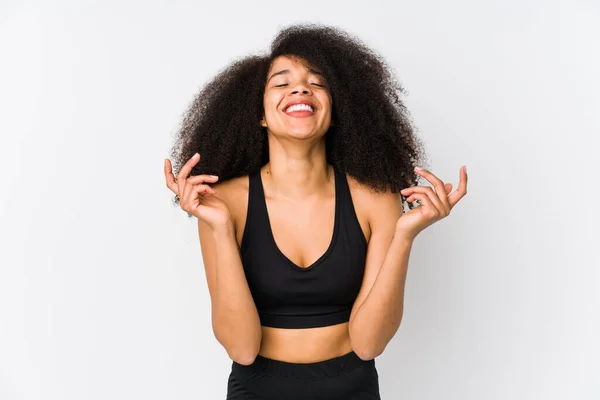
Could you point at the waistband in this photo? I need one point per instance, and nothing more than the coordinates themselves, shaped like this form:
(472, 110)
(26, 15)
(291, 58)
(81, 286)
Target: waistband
(320, 369)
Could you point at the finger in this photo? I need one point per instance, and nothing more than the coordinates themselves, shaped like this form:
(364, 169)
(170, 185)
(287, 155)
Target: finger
(169, 177)
(196, 194)
(437, 183)
(192, 198)
(204, 189)
(448, 187)
(199, 179)
(461, 190)
(196, 179)
(425, 201)
(434, 197)
(184, 172)
(200, 190)
(187, 168)
(191, 192)
(428, 191)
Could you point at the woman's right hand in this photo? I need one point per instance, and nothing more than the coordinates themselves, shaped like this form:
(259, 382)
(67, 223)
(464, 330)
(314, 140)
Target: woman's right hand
(195, 196)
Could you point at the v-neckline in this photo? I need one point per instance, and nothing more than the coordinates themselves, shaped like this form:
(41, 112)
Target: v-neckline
(334, 234)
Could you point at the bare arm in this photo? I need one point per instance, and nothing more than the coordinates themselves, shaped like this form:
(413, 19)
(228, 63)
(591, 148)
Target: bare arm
(235, 319)
(377, 311)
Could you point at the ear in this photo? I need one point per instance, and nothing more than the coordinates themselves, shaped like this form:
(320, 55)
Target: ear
(263, 123)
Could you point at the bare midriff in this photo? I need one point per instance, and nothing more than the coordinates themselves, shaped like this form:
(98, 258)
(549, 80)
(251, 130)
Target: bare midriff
(305, 345)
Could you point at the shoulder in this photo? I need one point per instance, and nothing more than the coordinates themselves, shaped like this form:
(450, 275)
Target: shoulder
(370, 196)
(232, 189)
(234, 193)
(378, 209)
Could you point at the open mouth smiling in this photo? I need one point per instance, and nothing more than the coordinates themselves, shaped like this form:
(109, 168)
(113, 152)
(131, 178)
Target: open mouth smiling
(299, 106)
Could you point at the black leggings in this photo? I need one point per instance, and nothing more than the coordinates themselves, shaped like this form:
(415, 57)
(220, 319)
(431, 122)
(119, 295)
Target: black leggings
(346, 377)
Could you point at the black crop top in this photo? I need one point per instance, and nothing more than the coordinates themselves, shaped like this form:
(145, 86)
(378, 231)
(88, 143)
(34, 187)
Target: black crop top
(289, 296)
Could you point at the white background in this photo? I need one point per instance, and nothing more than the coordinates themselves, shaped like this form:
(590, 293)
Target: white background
(102, 289)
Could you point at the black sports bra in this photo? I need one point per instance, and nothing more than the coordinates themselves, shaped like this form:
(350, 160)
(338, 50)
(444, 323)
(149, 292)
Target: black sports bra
(289, 296)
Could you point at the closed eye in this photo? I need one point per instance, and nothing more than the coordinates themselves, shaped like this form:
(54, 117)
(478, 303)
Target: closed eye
(314, 84)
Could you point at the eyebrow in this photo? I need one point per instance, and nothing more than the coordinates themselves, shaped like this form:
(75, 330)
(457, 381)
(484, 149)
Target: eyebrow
(287, 71)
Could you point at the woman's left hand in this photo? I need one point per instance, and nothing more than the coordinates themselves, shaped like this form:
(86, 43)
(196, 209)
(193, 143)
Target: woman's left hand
(436, 202)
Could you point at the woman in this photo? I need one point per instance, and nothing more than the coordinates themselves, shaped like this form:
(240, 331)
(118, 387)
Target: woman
(305, 156)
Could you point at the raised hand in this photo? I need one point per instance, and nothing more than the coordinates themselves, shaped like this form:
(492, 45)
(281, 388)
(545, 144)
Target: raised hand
(436, 202)
(196, 197)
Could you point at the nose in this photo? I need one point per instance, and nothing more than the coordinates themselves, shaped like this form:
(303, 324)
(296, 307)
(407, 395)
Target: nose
(300, 87)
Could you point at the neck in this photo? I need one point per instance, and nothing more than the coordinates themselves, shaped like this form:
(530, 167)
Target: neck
(297, 170)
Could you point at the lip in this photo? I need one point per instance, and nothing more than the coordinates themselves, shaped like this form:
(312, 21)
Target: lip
(291, 103)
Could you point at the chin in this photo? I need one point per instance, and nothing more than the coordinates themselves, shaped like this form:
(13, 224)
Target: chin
(304, 134)
(300, 135)
(299, 132)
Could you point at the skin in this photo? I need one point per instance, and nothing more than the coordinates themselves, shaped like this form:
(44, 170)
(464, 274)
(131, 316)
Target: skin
(299, 189)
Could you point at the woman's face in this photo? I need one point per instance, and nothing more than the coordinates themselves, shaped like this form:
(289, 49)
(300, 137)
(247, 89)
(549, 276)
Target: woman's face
(297, 102)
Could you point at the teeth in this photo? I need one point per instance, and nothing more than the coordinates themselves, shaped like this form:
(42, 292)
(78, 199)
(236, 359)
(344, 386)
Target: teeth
(299, 107)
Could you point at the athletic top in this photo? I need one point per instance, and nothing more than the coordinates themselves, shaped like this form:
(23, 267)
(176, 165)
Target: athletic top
(289, 296)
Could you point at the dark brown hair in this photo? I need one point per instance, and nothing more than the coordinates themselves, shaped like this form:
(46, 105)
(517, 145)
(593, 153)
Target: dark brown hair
(372, 138)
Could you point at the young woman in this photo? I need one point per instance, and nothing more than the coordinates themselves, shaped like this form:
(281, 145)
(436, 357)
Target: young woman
(296, 165)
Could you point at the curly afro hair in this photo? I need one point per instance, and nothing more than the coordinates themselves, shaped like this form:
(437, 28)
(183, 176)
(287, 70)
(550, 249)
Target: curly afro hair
(372, 138)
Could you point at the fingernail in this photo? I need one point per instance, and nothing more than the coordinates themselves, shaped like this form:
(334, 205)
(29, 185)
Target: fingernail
(418, 168)
(213, 176)
(196, 155)
(465, 168)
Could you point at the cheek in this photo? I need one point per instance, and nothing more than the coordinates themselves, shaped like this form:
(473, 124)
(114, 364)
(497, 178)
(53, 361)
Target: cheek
(270, 104)
(325, 99)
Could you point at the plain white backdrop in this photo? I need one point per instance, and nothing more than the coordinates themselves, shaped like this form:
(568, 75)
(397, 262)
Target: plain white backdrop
(102, 288)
